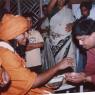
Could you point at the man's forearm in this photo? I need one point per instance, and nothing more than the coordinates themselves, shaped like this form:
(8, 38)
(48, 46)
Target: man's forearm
(34, 46)
(45, 77)
(51, 5)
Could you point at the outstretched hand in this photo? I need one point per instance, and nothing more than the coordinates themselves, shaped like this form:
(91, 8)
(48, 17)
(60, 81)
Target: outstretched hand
(65, 63)
(75, 77)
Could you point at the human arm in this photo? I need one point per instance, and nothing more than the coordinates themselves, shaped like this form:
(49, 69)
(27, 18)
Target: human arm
(46, 76)
(51, 5)
(20, 73)
(35, 40)
(32, 46)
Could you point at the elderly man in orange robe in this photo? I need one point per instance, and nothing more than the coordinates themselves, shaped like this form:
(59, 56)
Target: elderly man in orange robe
(23, 82)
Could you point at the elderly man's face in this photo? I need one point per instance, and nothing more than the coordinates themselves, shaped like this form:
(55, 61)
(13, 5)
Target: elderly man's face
(22, 38)
(86, 41)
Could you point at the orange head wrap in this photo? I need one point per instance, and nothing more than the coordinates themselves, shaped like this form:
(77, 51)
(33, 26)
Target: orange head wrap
(12, 26)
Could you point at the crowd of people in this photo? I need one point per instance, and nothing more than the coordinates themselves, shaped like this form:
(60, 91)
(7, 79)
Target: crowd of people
(30, 58)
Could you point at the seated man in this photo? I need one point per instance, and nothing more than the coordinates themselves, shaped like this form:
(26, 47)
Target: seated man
(23, 82)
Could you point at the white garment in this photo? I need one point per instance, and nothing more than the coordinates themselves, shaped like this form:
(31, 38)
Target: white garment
(59, 21)
(6, 45)
(77, 12)
(57, 26)
(33, 57)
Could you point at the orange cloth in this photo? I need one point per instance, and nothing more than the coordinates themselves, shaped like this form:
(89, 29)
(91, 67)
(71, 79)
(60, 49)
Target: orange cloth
(21, 78)
(12, 26)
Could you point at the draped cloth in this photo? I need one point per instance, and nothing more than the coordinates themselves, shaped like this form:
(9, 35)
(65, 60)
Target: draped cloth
(47, 55)
(59, 43)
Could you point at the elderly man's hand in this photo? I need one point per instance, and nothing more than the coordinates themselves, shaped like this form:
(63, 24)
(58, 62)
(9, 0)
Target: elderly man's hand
(65, 63)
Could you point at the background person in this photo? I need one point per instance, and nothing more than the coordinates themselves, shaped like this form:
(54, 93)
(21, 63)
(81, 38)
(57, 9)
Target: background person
(33, 52)
(77, 12)
(59, 44)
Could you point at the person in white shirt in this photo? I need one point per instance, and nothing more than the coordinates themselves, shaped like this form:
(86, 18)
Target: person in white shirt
(59, 44)
(33, 55)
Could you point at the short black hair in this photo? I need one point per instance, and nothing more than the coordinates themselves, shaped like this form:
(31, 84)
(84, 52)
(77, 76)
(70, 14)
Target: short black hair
(84, 27)
(86, 4)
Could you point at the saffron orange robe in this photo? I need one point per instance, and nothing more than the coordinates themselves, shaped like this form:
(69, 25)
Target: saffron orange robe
(21, 78)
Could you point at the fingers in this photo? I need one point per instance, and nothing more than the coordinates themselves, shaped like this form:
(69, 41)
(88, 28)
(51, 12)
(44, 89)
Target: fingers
(70, 78)
(69, 27)
(69, 60)
(73, 77)
(65, 63)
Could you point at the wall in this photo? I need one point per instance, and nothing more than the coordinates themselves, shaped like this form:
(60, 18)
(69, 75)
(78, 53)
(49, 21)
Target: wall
(29, 7)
